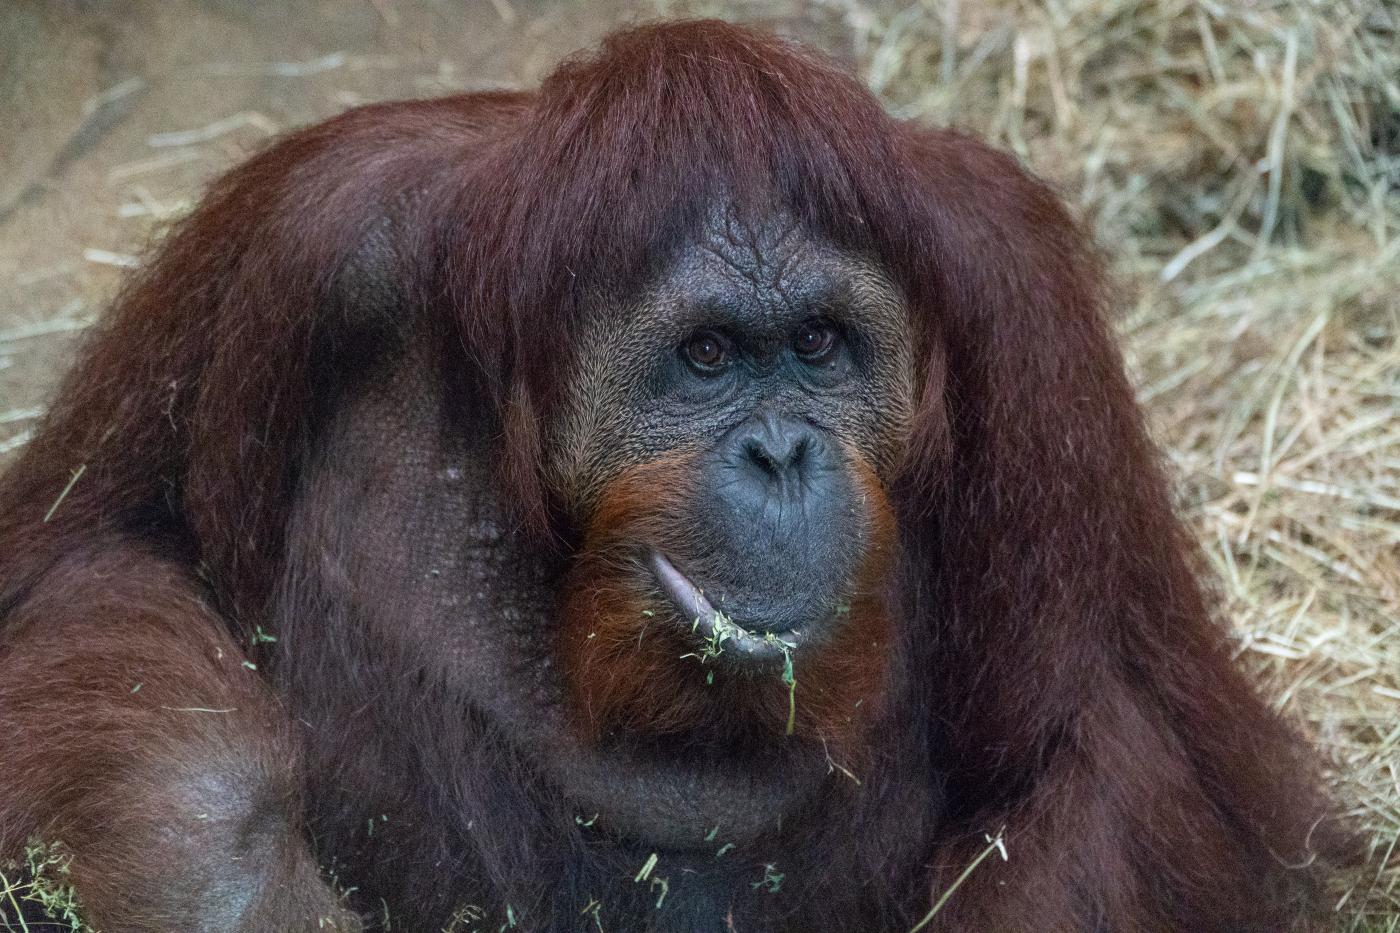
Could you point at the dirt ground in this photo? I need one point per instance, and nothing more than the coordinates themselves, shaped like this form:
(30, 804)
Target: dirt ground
(113, 116)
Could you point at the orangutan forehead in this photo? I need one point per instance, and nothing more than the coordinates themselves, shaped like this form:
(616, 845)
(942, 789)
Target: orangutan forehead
(763, 273)
(759, 250)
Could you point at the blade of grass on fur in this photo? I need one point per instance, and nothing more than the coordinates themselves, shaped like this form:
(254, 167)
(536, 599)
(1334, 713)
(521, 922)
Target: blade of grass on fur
(996, 844)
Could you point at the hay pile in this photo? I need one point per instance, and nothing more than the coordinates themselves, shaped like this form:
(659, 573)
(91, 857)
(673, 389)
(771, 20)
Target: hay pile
(1241, 160)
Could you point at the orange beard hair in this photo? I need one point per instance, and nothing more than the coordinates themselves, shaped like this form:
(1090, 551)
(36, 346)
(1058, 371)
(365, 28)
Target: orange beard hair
(630, 667)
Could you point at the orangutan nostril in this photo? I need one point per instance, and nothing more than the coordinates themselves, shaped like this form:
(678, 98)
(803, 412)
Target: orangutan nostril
(757, 454)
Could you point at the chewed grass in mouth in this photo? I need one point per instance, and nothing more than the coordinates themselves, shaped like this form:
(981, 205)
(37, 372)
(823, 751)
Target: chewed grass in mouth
(717, 634)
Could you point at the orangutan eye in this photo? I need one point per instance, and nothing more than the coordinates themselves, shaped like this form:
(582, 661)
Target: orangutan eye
(706, 351)
(814, 341)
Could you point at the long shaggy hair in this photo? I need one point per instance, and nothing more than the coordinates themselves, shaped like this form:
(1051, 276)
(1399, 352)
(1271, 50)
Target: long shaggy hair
(1062, 672)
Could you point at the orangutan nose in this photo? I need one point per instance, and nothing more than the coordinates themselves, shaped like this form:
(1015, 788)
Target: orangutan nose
(777, 452)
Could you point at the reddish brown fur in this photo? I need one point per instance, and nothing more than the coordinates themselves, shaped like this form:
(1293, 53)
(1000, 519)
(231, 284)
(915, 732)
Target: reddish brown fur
(1059, 667)
(141, 689)
(628, 669)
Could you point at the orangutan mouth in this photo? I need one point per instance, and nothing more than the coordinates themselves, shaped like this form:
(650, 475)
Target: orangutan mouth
(716, 634)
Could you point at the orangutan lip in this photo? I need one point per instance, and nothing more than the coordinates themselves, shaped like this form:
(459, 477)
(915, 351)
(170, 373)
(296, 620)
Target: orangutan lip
(714, 631)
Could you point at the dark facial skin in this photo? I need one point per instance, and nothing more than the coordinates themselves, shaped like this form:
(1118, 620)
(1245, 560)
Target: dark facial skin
(773, 359)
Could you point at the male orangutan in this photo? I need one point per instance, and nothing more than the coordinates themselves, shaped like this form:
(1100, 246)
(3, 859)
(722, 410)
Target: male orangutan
(683, 498)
